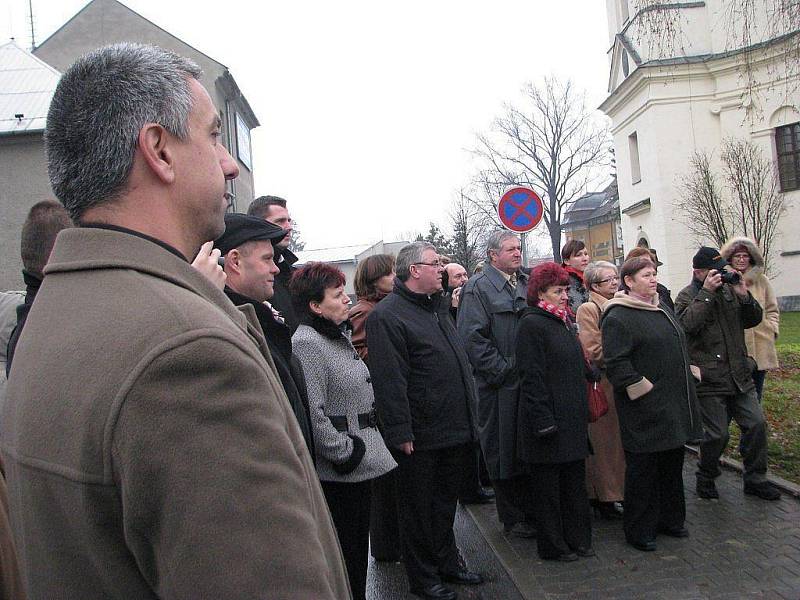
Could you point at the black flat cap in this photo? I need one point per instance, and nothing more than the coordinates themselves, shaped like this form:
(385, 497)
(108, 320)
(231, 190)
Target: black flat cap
(241, 228)
(708, 258)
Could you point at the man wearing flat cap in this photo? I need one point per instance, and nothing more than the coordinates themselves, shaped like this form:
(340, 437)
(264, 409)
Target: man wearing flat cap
(714, 310)
(248, 247)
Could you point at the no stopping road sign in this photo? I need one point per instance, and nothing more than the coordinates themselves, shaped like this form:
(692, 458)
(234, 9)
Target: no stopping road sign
(520, 209)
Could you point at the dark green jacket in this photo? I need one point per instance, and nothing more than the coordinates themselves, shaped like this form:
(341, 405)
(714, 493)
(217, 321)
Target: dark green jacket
(714, 323)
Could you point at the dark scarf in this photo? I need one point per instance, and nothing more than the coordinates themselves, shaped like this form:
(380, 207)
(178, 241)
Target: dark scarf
(328, 328)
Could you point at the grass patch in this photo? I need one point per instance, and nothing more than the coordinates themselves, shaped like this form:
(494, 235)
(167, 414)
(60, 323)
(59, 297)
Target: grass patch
(781, 405)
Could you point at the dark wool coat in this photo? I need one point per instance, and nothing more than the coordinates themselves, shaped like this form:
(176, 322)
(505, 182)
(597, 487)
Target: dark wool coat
(423, 383)
(487, 323)
(158, 456)
(578, 294)
(714, 323)
(552, 380)
(287, 365)
(281, 298)
(648, 364)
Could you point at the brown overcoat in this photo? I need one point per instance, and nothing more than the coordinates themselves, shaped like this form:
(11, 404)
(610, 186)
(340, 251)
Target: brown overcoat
(605, 469)
(150, 449)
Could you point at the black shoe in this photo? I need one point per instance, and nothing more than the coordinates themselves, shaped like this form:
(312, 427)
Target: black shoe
(764, 490)
(521, 530)
(707, 490)
(609, 510)
(436, 592)
(585, 552)
(676, 532)
(482, 496)
(565, 557)
(463, 577)
(643, 546)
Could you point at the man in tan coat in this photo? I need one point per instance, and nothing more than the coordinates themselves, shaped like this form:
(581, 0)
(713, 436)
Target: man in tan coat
(150, 448)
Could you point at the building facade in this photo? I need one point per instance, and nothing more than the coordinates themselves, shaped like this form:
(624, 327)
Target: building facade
(687, 84)
(103, 22)
(594, 219)
(26, 88)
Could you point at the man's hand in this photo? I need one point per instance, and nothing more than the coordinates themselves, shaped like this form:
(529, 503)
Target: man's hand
(456, 297)
(206, 263)
(406, 447)
(713, 281)
(741, 287)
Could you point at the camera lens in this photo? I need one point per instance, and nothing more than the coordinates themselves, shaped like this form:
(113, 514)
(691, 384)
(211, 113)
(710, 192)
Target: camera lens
(731, 278)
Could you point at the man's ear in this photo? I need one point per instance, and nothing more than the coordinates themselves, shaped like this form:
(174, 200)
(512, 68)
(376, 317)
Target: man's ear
(154, 146)
(233, 261)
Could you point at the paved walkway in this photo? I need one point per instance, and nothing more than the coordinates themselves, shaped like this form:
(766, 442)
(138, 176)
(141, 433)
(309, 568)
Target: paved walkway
(387, 581)
(740, 547)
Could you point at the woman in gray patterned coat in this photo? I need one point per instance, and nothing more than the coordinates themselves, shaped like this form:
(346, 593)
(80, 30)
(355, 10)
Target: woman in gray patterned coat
(350, 451)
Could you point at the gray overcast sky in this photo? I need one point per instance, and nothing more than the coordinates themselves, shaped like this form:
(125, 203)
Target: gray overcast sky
(366, 107)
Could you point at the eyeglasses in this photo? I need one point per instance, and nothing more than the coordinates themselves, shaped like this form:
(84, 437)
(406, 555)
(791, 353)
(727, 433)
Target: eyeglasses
(607, 279)
(435, 264)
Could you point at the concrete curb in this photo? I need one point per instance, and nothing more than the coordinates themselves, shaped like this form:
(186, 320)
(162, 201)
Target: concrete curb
(734, 465)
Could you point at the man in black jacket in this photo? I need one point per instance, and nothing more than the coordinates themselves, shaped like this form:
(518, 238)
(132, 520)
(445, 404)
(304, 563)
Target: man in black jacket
(273, 209)
(714, 314)
(248, 248)
(425, 396)
(45, 219)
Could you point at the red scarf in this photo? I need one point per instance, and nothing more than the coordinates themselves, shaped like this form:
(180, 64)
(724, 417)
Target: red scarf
(561, 313)
(574, 271)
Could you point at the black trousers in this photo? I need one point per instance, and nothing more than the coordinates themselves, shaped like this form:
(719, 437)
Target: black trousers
(349, 505)
(653, 493)
(472, 478)
(384, 527)
(512, 500)
(428, 482)
(563, 523)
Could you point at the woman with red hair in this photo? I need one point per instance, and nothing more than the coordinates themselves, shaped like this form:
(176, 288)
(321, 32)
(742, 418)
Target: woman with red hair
(553, 416)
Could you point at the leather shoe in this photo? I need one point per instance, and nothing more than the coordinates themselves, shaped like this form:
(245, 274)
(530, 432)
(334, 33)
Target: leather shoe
(707, 490)
(520, 530)
(676, 532)
(585, 552)
(764, 490)
(643, 546)
(482, 496)
(463, 578)
(609, 510)
(436, 592)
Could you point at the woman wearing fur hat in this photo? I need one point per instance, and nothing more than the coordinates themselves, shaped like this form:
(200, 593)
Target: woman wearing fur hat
(744, 256)
(647, 362)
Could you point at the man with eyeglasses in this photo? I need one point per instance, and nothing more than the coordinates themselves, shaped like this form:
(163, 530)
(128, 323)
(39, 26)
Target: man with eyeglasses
(424, 395)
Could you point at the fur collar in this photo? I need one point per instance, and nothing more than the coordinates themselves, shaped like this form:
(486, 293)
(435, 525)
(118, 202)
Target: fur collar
(328, 328)
(758, 258)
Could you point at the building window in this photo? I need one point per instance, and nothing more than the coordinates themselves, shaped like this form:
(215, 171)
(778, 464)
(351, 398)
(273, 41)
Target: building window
(633, 147)
(243, 142)
(787, 140)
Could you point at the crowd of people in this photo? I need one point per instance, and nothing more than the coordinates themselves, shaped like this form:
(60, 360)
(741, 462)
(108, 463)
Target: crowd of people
(235, 426)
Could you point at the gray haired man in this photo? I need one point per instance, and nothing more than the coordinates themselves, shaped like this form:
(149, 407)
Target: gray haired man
(158, 456)
(424, 393)
(487, 322)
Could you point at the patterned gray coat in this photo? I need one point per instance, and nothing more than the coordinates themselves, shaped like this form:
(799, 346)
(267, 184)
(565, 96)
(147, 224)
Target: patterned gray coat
(339, 385)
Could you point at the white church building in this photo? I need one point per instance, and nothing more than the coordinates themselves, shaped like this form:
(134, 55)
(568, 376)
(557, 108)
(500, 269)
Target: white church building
(683, 87)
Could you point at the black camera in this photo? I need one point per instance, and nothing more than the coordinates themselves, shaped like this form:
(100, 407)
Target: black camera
(731, 277)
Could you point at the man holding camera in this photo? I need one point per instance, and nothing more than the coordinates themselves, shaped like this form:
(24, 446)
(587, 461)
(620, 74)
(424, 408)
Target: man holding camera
(715, 309)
